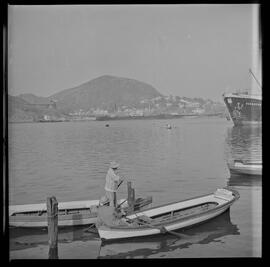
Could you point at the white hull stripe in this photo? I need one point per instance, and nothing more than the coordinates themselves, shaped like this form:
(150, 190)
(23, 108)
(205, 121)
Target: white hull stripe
(246, 169)
(60, 223)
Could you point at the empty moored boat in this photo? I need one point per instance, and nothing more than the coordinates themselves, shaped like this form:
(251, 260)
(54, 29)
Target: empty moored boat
(245, 167)
(165, 218)
(69, 213)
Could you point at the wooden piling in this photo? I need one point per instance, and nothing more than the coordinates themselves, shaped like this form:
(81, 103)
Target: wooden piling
(131, 197)
(114, 199)
(52, 213)
(129, 189)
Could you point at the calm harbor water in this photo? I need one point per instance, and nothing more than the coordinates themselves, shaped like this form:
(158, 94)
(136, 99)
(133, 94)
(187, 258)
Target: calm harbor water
(70, 159)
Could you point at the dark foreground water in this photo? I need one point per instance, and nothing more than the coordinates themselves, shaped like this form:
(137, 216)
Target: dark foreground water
(70, 159)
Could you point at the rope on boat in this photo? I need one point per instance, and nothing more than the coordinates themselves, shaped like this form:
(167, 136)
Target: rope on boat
(91, 226)
(161, 228)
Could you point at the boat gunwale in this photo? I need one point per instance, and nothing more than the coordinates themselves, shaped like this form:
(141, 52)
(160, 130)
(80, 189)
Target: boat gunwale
(64, 217)
(44, 212)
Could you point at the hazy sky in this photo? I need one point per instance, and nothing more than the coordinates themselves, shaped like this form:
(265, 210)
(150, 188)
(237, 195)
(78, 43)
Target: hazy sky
(185, 50)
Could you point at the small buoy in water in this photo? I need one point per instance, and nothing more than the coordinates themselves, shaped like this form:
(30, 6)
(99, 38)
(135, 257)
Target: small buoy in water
(107, 125)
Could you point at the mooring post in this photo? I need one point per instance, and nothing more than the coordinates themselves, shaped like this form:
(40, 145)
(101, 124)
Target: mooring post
(133, 198)
(52, 213)
(114, 199)
(131, 195)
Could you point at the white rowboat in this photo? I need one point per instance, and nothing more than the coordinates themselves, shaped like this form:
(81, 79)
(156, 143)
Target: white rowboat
(69, 213)
(245, 167)
(172, 216)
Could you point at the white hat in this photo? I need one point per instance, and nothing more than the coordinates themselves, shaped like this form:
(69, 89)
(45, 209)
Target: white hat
(114, 165)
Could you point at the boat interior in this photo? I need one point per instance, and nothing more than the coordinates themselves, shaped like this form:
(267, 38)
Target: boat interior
(168, 216)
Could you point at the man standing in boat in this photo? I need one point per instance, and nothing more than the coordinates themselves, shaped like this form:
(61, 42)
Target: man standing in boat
(113, 181)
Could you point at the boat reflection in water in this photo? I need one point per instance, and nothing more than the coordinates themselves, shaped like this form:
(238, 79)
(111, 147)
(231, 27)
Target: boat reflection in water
(21, 238)
(144, 247)
(244, 180)
(244, 143)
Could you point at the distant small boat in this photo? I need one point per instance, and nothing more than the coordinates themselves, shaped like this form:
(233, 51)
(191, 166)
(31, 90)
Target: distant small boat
(245, 167)
(168, 126)
(172, 216)
(69, 213)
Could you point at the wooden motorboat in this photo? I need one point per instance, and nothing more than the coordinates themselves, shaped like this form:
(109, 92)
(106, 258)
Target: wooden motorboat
(165, 218)
(69, 213)
(245, 167)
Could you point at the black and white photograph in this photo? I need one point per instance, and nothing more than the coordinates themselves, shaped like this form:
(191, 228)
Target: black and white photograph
(134, 131)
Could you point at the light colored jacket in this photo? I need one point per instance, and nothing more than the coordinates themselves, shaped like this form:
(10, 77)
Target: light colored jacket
(112, 181)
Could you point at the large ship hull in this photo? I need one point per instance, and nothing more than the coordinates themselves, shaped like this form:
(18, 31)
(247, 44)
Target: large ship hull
(244, 109)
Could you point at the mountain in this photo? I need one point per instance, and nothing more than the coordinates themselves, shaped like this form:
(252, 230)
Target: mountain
(33, 99)
(105, 95)
(104, 92)
(20, 110)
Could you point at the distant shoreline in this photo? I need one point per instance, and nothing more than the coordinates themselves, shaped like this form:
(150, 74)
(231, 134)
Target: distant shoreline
(160, 116)
(108, 118)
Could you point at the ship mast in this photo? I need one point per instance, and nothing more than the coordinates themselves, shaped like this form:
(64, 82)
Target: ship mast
(255, 78)
(256, 48)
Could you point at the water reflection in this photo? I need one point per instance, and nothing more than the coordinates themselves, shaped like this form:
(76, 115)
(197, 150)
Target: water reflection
(144, 247)
(21, 238)
(245, 180)
(244, 142)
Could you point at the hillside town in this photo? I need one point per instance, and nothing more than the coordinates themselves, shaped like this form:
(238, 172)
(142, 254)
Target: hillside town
(172, 105)
(156, 107)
